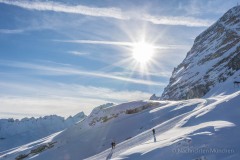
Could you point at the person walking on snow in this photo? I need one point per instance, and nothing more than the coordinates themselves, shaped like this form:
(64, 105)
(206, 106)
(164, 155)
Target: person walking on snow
(153, 130)
(154, 137)
(113, 144)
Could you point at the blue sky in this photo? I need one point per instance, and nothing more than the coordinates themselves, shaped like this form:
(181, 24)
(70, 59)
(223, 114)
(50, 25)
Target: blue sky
(63, 57)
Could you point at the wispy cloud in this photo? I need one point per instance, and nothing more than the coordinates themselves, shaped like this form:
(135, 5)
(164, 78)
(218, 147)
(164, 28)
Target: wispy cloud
(77, 53)
(9, 31)
(111, 12)
(97, 42)
(130, 44)
(53, 70)
(52, 89)
(178, 20)
(44, 98)
(59, 7)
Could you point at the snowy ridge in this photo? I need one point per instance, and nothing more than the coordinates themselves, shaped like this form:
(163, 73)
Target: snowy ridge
(214, 57)
(17, 132)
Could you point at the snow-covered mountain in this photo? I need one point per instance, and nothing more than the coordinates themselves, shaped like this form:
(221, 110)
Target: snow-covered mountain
(214, 57)
(205, 128)
(197, 129)
(17, 132)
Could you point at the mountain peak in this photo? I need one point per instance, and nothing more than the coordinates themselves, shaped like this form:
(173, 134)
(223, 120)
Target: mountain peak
(154, 97)
(213, 58)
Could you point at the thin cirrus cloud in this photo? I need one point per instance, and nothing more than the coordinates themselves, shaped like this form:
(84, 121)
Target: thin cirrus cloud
(97, 42)
(77, 53)
(56, 70)
(111, 12)
(178, 20)
(11, 31)
(53, 90)
(118, 43)
(59, 7)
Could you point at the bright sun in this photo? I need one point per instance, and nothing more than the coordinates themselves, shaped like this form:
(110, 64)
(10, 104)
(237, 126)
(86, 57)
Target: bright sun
(142, 52)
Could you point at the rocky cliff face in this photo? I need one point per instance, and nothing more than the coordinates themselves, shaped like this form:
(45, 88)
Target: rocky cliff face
(214, 57)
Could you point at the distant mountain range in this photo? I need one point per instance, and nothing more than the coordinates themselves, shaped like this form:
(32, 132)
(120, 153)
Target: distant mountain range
(18, 132)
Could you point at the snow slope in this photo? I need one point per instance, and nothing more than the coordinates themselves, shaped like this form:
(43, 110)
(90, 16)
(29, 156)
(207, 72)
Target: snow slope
(206, 128)
(17, 132)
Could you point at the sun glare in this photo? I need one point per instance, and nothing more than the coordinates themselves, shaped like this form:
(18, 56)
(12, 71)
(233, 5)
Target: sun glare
(142, 52)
